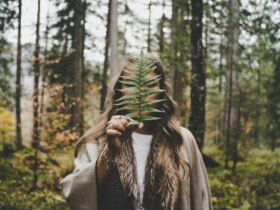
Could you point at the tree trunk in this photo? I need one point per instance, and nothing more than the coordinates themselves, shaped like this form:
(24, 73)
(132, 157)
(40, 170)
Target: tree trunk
(126, 11)
(44, 74)
(83, 65)
(174, 47)
(198, 87)
(77, 66)
(36, 132)
(114, 39)
(232, 81)
(256, 132)
(161, 32)
(18, 82)
(220, 126)
(149, 27)
(106, 59)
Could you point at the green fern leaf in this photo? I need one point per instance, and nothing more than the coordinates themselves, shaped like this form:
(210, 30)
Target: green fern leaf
(139, 83)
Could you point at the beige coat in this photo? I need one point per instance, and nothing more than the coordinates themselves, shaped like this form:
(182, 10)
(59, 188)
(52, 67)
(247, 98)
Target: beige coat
(79, 187)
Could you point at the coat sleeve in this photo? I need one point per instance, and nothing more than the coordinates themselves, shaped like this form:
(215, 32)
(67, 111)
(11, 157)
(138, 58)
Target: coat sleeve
(79, 188)
(200, 193)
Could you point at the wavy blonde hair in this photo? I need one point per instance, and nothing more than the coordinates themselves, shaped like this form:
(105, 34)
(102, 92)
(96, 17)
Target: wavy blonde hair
(171, 140)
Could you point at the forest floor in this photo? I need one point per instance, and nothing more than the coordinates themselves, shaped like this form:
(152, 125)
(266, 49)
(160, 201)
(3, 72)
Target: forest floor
(255, 184)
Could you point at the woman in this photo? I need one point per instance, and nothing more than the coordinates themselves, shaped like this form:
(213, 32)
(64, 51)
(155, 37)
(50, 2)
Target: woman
(154, 166)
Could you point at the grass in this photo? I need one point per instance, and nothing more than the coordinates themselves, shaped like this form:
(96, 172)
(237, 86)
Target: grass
(254, 187)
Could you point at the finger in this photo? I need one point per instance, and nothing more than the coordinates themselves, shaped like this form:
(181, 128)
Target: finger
(117, 117)
(117, 126)
(112, 120)
(113, 132)
(123, 121)
(129, 119)
(140, 126)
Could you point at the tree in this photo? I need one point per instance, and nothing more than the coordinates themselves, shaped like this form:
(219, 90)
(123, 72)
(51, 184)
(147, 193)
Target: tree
(161, 27)
(179, 56)
(18, 81)
(114, 39)
(273, 125)
(232, 97)
(78, 44)
(198, 86)
(44, 73)
(36, 67)
(149, 27)
(106, 58)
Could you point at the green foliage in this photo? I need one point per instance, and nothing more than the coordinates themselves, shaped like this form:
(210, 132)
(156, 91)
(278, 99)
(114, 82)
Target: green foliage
(255, 186)
(41, 200)
(6, 60)
(139, 83)
(16, 181)
(7, 14)
(7, 122)
(273, 107)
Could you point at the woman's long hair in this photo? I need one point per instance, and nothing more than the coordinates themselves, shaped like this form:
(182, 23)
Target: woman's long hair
(168, 127)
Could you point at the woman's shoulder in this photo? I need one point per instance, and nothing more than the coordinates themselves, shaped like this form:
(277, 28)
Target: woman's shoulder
(191, 150)
(90, 148)
(187, 135)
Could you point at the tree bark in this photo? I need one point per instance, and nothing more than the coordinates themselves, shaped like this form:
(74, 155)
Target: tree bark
(36, 132)
(83, 65)
(198, 87)
(149, 27)
(78, 65)
(44, 74)
(232, 133)
(114, 63)
(161, 32)
(174, 47)
(106, 59)
(18, 81)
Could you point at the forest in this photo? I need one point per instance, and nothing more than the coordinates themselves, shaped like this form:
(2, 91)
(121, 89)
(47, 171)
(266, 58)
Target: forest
(222, 61)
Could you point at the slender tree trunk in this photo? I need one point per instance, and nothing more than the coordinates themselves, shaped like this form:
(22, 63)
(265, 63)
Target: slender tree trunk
(174, 47)
(126, 10)
(78, 65)
(44, 74)
(233, 95)
(181, 70)
(161, 32)
(36, 132)
(274, 104)
(198, 87)
(83, 65)
(219, 125)
(18, 82)
(66, 38)
(114, 63)
(106, 59)
(257, 112)
(149, 27)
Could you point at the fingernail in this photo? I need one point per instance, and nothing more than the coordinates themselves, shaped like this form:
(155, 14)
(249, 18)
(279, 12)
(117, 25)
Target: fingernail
(140, 125)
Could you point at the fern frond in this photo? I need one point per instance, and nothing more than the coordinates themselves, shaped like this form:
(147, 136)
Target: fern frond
(139, 83)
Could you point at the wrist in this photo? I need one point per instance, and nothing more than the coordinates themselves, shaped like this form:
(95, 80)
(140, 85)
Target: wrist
(108, 158)
(110, 153)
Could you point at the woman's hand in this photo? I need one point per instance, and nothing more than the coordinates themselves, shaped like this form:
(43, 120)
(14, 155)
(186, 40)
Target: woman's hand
(115, 129)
